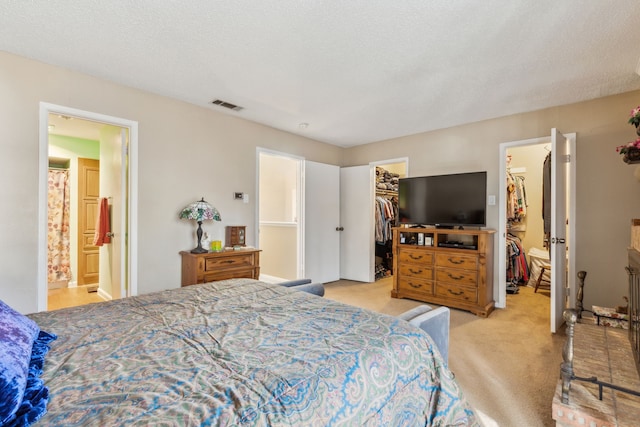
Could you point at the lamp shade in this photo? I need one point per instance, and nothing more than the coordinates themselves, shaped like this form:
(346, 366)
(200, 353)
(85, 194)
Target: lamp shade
(200, 211)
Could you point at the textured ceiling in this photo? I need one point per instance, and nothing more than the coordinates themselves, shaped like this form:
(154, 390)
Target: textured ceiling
(356, 71)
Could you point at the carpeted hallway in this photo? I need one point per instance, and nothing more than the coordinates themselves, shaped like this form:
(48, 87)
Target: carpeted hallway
(506, 364)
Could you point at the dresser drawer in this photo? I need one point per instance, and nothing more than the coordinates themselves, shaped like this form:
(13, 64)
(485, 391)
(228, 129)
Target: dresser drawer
(467, 262)
(414, 286)
(416, 271)
(409, 255)
(217, 263)
(457, 276)
(461, 293)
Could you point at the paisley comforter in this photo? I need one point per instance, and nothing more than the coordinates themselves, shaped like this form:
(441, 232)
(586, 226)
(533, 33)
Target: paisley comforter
(243, 353)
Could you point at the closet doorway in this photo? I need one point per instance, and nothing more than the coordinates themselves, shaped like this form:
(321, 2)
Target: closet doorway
(386, 176)
(116, 142)
(532, 225)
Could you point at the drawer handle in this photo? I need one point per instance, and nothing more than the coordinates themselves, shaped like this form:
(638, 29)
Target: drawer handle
(455, 293)
(414, 286)
(411, 270)
(412, 256)
(454, 261)
(455, 277)
(229, 261)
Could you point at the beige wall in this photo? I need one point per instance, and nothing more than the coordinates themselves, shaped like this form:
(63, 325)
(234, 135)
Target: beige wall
(279, 244)
(185, 152)
(607, 194)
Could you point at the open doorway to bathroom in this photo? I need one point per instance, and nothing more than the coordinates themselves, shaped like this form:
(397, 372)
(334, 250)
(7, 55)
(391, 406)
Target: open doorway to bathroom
(72, 182)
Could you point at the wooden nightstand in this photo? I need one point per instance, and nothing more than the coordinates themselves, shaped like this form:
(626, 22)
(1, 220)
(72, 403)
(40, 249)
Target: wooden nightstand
(212, 266)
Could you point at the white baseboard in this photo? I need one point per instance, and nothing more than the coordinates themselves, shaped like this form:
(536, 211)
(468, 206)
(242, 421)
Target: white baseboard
(271, 279)
(104, 295)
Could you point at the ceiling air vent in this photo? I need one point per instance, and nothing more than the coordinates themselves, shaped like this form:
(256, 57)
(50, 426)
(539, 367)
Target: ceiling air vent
(225, 104)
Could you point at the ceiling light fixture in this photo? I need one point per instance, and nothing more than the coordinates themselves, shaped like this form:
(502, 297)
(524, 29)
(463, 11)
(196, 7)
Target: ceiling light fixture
(303, 125)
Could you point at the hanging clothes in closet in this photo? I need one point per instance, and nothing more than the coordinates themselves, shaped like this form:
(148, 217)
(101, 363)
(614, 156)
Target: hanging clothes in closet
(386, 214)
(517, 266)
(516, 201)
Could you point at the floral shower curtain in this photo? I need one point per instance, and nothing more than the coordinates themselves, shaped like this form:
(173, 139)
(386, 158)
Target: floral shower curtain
(58, 252)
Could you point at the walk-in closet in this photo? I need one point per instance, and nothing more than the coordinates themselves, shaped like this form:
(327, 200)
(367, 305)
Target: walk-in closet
(528, 215)
(386, 215)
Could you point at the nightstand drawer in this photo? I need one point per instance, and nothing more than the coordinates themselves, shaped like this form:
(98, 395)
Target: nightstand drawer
(212, 266)
(228, 274)
(228, 262)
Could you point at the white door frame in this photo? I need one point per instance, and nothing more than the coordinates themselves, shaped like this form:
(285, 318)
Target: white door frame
(502, 206)
(131, 232)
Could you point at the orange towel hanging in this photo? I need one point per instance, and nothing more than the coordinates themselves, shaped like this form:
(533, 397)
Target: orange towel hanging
(103, 225)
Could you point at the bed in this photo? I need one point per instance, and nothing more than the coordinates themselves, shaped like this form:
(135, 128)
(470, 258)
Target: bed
(242, 352)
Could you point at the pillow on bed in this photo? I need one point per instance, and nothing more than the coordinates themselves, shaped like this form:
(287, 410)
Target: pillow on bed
(23, 396)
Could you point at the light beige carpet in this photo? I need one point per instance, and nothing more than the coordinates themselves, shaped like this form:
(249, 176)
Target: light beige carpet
(507, 364)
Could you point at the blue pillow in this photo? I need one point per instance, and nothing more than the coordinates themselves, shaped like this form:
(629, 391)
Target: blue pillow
(23, 396)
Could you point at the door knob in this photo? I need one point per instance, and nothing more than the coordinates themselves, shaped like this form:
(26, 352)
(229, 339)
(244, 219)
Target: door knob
(339, 228)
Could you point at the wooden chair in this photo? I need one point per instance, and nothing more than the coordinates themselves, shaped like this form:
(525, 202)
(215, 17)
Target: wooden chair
(543, 268)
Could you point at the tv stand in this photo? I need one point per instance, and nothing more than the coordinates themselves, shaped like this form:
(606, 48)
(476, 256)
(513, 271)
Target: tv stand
(455, 270)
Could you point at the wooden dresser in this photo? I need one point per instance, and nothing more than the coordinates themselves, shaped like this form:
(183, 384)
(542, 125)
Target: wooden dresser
(454, 268)
(212, 266)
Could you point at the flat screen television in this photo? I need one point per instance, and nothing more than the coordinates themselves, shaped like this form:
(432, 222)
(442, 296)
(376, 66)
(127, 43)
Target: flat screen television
(455, 200)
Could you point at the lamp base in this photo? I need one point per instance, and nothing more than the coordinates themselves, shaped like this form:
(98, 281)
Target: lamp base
(199, 249)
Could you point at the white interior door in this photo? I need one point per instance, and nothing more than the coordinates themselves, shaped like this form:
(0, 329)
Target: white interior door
(321, 222)
(559, 149)
(356, 214)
